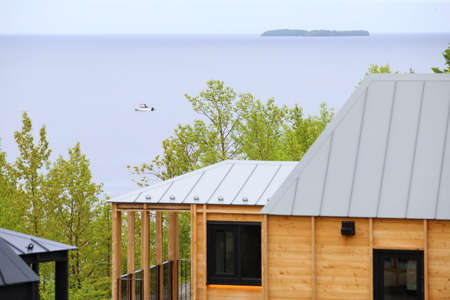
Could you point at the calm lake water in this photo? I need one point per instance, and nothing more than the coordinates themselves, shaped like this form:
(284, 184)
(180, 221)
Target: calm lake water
(85, 88)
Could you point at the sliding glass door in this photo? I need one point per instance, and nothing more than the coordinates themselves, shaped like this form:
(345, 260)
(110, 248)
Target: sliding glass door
(398, 275)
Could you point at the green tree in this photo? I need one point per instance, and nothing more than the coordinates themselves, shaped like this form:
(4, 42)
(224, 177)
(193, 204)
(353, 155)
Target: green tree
(28, 172)
(233, 126)
(11, 198)
(218, 104)
(237, 126)
(446, 55)
(73, 207)
(379, 69)
(301, 131)
(260, 129)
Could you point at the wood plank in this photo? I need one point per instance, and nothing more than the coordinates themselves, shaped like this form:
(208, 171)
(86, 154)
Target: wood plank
(131, 250)
(173, 251)
(116, 250)
(145, 253)
(371, 258)
(425, 257)
(265, 264)
(159, 249)
(235, 217)
(224, 292)
(233, 209)
(313, 258)
(398, 234)
(438, 259)
(205, 270)
(342, 261)
(289, 255)
(153, 207)
(194, 251)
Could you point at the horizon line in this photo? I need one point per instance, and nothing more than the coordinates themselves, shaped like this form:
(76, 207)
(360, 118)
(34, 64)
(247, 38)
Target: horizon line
(181, 34)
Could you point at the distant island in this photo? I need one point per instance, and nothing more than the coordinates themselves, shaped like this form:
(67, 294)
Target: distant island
(301, 32)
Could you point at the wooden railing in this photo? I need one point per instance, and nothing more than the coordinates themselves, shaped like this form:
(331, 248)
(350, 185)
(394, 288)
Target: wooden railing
(127, 281)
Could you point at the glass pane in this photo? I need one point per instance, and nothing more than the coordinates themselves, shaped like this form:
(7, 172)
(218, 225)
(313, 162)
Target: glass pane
(224, 252)
(400, 279)
(251, 252)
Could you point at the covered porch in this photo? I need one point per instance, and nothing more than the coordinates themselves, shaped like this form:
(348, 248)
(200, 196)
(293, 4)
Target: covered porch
(168, 279)
(225, 197)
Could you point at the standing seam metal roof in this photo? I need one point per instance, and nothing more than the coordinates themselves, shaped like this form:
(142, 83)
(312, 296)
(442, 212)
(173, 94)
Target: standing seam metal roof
(386, 154)
(19, 242)
(13, 270)
(231, 182)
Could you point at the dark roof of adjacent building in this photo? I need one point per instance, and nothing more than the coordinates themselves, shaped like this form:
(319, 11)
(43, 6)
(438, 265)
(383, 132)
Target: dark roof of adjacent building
(23, 244)
(386, 154)
(13, 270)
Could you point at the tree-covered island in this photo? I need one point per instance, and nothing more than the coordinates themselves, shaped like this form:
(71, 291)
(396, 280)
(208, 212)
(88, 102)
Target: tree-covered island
(301, 32)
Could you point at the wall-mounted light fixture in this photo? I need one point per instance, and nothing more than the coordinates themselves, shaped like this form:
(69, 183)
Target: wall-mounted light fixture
(348, 228)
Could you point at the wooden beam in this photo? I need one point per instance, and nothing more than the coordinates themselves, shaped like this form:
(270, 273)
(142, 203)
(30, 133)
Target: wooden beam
(425, 257)
(205, 270)
(151, 210)
(116, 250)
(131, 250)
(173, 251)
(159, 250)
(371, 258)
(265, 257)
(227, 209)
(145, 253)
(193, 251)
(313, 259)
(152, 207)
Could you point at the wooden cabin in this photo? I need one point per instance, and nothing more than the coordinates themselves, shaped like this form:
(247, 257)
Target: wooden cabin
(364, 215)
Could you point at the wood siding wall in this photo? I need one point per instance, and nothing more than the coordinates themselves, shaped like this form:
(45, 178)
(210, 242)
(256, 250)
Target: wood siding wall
(308, 258)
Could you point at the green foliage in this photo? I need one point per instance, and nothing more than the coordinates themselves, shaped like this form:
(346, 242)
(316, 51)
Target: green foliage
(260, 129)
(72, 207)
(58, 201)
(237, 126)
(33, 157)
(11, 198)
(446, 55)
(233, 126)
(300, 132)
(379, 69)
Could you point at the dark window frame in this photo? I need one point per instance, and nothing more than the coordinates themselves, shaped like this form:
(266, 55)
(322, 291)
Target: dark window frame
(226, 279)
(378, 269)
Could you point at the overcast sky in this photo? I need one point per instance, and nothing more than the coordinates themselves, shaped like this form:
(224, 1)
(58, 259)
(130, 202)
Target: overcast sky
(219, 16)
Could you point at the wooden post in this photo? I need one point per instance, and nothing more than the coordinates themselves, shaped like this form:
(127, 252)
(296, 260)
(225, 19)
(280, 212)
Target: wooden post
(313, 258)
(116, 250)
(62, 278)
(425, 257)
(193, 251)
(371, 258)
(265, 258)
(159, 250)
(205, 247)
(173, 251)
(130, 250)
(145, 253)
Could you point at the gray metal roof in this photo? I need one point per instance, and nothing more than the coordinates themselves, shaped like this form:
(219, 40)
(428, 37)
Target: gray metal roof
(20, 243)
(13, 269)
(231, 182)
(386, 154)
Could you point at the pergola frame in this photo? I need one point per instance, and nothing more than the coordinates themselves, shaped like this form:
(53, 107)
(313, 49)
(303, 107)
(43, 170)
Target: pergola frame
(145, 209)
(199, 215)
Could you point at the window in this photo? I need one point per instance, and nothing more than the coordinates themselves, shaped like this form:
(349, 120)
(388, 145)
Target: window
(398, 275)
(234, 253)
